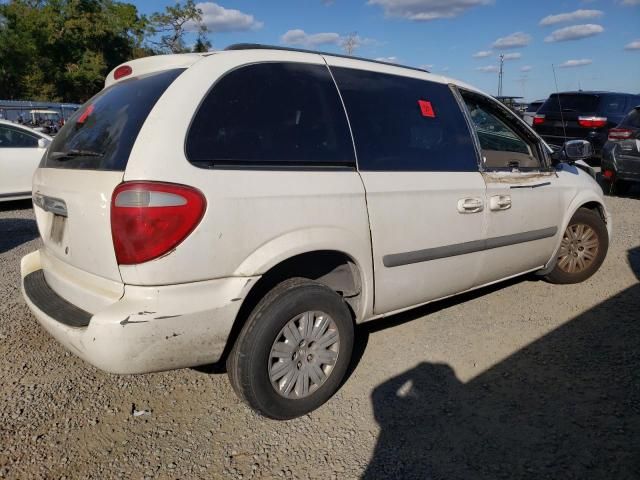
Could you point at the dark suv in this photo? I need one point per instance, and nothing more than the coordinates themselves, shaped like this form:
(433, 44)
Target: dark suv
(582, 115)
(621, 155)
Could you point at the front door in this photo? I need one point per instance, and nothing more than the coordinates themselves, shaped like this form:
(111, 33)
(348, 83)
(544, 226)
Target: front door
(526, 199)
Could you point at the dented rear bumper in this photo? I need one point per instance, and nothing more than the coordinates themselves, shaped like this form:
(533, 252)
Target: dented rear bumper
(148, 329)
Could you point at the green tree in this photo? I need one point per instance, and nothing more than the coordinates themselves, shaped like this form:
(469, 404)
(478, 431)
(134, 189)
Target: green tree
(167, 30)
(63, 49)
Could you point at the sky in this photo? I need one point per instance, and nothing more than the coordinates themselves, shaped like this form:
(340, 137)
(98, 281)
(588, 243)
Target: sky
(593, 44)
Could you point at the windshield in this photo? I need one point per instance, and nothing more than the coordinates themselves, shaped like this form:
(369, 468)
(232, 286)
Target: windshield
(101, 134)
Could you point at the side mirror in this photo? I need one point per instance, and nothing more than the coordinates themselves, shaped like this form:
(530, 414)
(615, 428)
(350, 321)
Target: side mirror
(43, 143)
(574, 150)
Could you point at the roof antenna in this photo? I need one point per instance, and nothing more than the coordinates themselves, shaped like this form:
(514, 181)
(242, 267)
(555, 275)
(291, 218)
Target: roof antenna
(564, 128)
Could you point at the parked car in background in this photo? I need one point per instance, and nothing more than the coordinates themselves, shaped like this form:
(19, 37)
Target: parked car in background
(587, 115)
(21, 149)
(254, 205)
(621, 155)
(531, 111)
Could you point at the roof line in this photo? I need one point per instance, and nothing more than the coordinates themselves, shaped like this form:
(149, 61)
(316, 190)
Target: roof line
(259, 46)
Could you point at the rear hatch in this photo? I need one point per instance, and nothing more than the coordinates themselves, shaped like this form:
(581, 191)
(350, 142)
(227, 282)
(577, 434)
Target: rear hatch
(561, 113)
(86, 161)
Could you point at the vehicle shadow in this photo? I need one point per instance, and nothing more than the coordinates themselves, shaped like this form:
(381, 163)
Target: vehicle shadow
(16, 205)
(15, 232)
(565, 406)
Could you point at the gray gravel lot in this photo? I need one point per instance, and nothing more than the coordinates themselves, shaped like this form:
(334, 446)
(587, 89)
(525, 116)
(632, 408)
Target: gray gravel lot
(522, 380)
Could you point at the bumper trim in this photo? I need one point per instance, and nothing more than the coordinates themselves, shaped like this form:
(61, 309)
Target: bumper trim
(43, 297)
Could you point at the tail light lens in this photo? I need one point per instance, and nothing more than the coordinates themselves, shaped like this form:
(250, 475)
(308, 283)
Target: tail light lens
(592, 122)
(608, 174)
(538, 119)
(149, 219)
(122, 71)
(620, 134)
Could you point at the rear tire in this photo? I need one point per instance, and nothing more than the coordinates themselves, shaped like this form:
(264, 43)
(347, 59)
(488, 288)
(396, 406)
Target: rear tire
(584, 247)
(294, 350)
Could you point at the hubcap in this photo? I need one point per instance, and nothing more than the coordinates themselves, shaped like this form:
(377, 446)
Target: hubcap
(578, 249)
(304, 354)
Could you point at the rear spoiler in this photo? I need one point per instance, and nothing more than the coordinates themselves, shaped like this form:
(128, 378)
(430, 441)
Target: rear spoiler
(155, 63)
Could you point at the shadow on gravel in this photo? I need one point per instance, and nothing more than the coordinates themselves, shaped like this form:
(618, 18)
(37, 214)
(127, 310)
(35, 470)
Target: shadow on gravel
(15, 232)
(565, 406)
(15, 205)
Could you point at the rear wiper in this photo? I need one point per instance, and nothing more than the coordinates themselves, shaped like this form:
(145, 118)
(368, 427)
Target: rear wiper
(74, 153)
(568, 109)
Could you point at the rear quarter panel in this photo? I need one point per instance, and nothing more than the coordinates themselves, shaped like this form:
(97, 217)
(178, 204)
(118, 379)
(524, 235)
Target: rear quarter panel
(254, 218)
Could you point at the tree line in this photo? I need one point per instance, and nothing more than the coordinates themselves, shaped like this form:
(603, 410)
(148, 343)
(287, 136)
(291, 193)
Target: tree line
(61, 50)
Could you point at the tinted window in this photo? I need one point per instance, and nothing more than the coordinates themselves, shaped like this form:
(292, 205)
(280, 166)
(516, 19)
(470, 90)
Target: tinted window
(271, 114)
(503, 143)
(405, 124)
(571, 102)
(632, 120)
(14, 138)
(613, 104)
(533, 107)
(106, 127)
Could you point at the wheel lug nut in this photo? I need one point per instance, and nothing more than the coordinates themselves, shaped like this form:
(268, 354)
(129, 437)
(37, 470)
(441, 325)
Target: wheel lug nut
(309, 358)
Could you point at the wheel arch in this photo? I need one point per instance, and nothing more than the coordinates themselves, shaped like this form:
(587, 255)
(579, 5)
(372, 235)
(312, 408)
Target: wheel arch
(590, 202)
(334, 268)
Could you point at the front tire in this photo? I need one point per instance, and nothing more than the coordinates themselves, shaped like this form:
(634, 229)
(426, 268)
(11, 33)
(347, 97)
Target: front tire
(583, 249)
(294, 350)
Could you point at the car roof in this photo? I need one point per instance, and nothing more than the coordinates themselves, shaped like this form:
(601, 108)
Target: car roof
(593, 92)
(25, 128)
(157, 63)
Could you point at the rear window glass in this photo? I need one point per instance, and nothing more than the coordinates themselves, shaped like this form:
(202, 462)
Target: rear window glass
(271, 114)
(613, 104)
(101, 134)
(579, 103)
(632, 120)
(405, 124)
(533, 107)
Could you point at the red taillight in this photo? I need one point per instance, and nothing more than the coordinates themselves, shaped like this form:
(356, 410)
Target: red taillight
(592, 122)
(607, 174)
(122, 71)
(149, 219)
(620, 134)
(538, 119)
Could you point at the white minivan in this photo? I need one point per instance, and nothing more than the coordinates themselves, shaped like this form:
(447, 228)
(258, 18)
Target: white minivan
(252, 205)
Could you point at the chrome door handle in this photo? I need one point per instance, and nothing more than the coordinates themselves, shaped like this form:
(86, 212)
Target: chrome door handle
(500, 202)
(470, 205)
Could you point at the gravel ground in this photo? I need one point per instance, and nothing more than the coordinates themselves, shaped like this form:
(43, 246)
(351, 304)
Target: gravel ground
(523, 380)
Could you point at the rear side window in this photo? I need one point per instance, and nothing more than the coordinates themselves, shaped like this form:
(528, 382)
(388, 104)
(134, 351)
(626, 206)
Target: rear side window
(101, 134)
(405, 124)
(14, 138)
(271, 114)
(632, 120)
(613, 104)
(571, 102)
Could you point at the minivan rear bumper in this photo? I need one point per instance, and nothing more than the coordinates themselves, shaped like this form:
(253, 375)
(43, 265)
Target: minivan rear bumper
(149, 329)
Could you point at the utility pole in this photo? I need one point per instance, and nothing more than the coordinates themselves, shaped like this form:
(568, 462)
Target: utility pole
(350, 43)
(500, 75)
(523, 83)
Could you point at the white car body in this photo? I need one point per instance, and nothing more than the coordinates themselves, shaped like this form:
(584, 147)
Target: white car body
(21, 149)
(178, 310)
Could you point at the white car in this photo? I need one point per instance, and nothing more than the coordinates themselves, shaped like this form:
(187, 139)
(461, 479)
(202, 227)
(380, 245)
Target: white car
(21, 149)
(253, 205)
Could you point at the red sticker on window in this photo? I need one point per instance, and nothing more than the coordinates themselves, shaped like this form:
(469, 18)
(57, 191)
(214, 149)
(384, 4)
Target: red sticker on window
(426, 109)
(85, 114)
